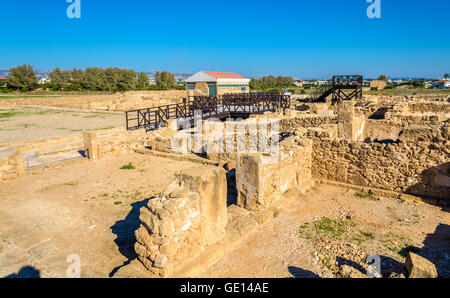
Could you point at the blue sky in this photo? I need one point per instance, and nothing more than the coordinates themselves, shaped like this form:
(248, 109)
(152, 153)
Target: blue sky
(302, 38)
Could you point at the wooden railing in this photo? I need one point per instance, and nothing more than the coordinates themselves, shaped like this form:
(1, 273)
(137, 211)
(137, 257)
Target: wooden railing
(227, 105)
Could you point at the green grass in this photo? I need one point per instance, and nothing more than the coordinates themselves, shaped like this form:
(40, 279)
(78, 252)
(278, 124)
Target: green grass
(8, 114)
(326, 226)
(368, 235)
(117, 203)
(129, 166)
(335, 227)
(365, 195)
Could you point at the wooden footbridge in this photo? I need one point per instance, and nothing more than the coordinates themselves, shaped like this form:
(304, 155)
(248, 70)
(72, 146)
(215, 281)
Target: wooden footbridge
(204, 107)
(341, 88)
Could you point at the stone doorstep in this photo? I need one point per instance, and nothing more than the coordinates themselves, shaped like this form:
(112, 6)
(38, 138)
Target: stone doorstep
(380, 192)
(177, 157)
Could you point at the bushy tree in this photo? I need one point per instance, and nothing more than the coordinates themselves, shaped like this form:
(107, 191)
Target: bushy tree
(22, 77)
(446, 76)
(270, 82)
(112, 76)
(95, 79)
(383, 78)
(165, 80)
(67, 79)
(128, 80)
(143, 79)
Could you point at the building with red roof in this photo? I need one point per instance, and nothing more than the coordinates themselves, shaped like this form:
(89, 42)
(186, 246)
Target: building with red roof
(217, 83)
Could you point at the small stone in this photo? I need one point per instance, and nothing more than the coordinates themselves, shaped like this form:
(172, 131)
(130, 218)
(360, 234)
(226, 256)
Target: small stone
(161, 261)
(350, 272)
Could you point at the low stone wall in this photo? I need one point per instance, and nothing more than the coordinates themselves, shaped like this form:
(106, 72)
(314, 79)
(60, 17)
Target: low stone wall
(106, 102)
(12, 166)
(429, 107)
(121, 143)
(289, 125)
(400, 167)
(190, 215)
(261, 180)
(382, 130)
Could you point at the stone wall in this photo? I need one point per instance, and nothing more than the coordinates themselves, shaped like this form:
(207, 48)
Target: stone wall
(97, 145)
(121, 143)
(290, 124)
(107, 102)
(12, 166)
(262, 180)
(189, 216)
(403, 167)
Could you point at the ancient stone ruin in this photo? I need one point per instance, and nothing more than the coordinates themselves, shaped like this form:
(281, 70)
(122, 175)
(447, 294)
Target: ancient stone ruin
(401, 152)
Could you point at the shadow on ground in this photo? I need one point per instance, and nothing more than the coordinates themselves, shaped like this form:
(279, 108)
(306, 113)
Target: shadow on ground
(231, 189)
(26, 272)
(301, 273)
(124, 229)
(436, 249)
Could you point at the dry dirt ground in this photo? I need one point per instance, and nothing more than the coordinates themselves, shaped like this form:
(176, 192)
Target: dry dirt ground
(24, 124)
(330, 226)
(89, 208)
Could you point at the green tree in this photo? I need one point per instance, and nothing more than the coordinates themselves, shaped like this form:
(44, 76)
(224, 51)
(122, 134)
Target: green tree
(77, 76)
(143, 79)
(255, 84)
(59, 78)
(22, 76)
(446, 76)
(128, 80)
(112, 76)
(165, 80)
(95, 79)
(383, 78)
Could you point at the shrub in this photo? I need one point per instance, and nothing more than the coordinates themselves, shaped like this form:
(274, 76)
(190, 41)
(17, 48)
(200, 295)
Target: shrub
(129, 166)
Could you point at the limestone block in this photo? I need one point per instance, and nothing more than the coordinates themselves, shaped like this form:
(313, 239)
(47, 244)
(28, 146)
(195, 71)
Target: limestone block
(261, 179)
(346, 113)
(419, 267)
(172, 124)
(211, 185)
(17, 159)
(91, 145)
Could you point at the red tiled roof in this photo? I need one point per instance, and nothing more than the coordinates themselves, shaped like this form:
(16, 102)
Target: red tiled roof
(223, 75)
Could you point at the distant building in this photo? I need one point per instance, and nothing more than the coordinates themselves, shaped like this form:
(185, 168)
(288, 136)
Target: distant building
(44, 80)
(216, 83)
(379, 84)
(299, 83)
(410, 86)
(442, 84)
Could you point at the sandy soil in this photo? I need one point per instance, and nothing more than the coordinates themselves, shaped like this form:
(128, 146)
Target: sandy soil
(33, 123)
(330, 226)
(90, 209)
